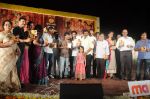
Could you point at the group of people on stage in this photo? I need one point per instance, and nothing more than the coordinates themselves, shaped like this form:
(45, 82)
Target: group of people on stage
(28, 54)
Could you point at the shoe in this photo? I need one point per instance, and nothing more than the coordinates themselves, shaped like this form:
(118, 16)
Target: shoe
(51, 76)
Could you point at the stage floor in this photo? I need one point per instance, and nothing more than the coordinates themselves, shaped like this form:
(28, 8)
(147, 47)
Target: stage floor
(110, 87)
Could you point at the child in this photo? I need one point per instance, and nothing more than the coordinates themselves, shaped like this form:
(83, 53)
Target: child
(80, 64)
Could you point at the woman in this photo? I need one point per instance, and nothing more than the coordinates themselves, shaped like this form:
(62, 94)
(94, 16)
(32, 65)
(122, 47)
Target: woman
(39, 61)
(9, 80)
(112, 58)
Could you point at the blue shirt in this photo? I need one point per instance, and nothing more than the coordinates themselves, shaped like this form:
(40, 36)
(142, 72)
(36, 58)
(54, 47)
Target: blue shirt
(143, 43)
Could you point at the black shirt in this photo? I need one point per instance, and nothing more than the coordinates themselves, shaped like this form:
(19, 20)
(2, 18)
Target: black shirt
(19, 32)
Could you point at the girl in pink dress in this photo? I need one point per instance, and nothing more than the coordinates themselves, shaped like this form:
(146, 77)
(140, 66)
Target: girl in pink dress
(80, 64)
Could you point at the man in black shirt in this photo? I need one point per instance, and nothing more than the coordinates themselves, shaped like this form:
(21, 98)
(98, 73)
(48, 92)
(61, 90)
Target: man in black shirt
(22, 36)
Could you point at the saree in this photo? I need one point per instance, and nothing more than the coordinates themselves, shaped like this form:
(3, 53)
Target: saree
(111, 66)
(40, 66)
(24, 71)
(9, 81)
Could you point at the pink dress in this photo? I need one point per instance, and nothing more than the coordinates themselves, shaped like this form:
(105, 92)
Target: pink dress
(80, 66)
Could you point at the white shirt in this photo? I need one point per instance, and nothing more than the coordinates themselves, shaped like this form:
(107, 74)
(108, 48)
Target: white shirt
(87, 43)
(93, 39)
(47, 37)
(74, 47)
(102, 49)
(126, 41)
(79, 37)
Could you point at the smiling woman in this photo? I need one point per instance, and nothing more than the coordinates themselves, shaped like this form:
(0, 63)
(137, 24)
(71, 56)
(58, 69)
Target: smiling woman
(8, 72)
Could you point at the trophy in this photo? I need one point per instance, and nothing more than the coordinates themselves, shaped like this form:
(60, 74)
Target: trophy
(143, 48)
(33, 33)
(121, 43)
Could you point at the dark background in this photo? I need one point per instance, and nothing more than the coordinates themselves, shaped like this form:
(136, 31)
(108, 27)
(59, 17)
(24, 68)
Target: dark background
(114, 15)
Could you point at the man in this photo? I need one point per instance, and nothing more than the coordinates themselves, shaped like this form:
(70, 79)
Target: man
(56, 54)
(48, 51)
(93, 39)
(64, 56)
(88, 50)
(117, 53)
(23, 38)
(125, 44)
(143, 48)
(75, 45)
(101, 54)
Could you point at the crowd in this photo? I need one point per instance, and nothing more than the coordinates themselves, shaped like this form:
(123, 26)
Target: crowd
(34, 54)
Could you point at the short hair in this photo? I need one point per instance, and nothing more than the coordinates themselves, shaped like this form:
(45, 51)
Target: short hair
(144, 33)
(73, 32)
(50, 27)
(124, 29)
(66, 33)
(5, 22)
(101, 34)
(85, 30)
(39, 28)
(29, 23)
(22, 18)
(110, 32)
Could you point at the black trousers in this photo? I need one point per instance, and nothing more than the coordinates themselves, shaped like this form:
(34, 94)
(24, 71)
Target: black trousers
(126, 64)
(72, 66)
(88, 65)
(117, 53)
(94, 67)
(100, 67)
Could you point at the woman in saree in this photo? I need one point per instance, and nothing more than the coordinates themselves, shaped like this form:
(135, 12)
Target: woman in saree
(9, 81)
(112, 58)
(39, 60)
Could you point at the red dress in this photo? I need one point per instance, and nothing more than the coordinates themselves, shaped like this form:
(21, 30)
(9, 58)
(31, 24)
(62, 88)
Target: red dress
(80, 66)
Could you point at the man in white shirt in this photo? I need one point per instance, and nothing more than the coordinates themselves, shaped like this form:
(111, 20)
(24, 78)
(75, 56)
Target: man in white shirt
(48, 51)
(88, 50)
(125, 44)
(101, 54)
(93, 39)
(75, 45)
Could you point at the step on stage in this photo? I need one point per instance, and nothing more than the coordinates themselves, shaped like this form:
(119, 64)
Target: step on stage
(87, 89)
(64, 87)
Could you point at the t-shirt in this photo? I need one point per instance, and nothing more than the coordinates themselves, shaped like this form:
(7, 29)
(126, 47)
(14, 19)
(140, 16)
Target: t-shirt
(19, 32)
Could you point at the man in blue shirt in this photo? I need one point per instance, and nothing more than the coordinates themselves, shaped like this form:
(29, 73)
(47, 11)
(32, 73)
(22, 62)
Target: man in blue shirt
(143, 48)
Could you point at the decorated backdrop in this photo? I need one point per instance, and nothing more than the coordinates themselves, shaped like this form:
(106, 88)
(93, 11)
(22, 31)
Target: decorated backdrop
(62, 24)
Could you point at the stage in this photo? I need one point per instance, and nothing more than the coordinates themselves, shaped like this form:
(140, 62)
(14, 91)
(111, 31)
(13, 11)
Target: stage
(110, 87)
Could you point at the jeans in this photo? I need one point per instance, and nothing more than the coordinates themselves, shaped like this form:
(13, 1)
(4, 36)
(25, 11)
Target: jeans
(88, 65)
(48, 58)
(64, 66)
(126, 64)
(140, 63)
(56, 65)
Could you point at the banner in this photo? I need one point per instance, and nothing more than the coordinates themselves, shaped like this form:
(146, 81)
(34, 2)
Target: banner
(139, 88)
(62, 21)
